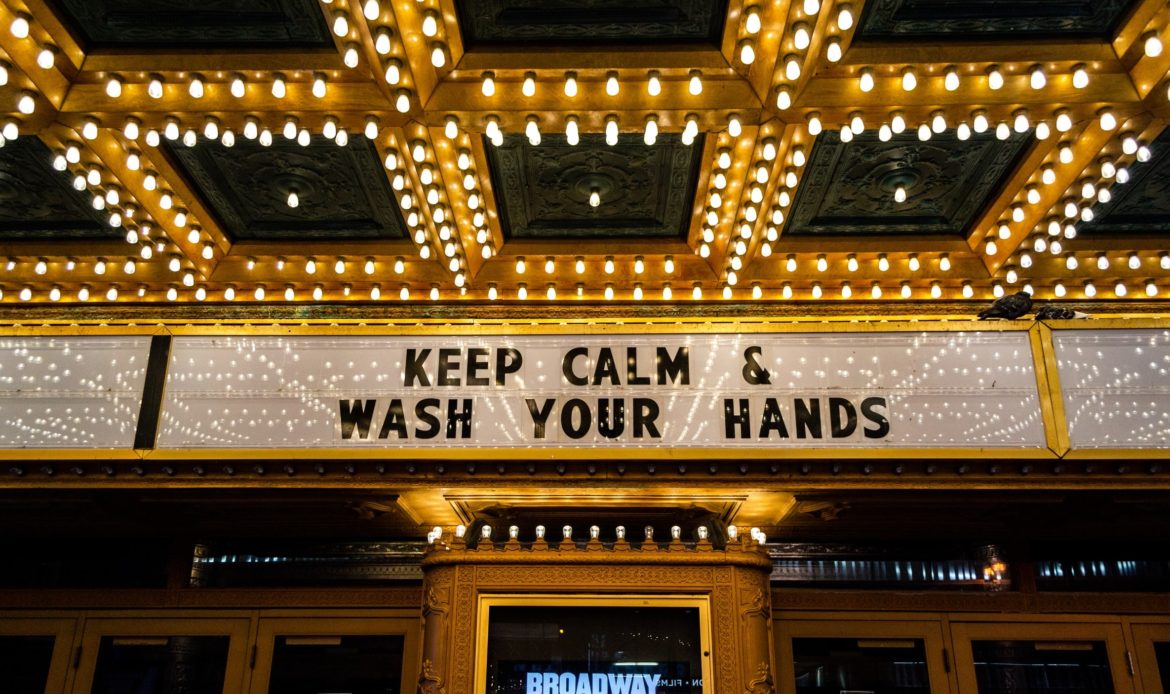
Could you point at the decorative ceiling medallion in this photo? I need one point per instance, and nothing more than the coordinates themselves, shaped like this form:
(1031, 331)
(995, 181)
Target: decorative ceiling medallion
(1143, 204)
(635, 22)
(987, 20)
(850, 188)
(641, 191)
(37, 202)
(341, 192)
(196, 23)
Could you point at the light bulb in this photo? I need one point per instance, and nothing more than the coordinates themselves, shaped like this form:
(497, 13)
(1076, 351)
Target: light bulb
(792, 68)
(909, 79)
(1152, 45)
(195, 87)
(900, 194)
(20, 26)
(340, 24)
(1037, 78)
(26, 104)
(382, 43)
(695, 85)
(319, 86)
(811, 7)
(611, 84)
(46, 58)
(951, 80)
(279, 89)
(570, 84)
(1107, 120)
(611, 130)
(994, 78)
(430, 24)
(691, 131)
(1080, 77)
(833, 51)
(865, 82)
(783, 99)
(438, 55)
(532, 130)
(114, 87)
(653, 83)
(801, 36)
(814, 124)
(651, 134)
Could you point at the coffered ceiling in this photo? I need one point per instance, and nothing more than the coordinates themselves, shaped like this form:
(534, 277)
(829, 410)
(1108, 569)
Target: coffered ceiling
(281, 152)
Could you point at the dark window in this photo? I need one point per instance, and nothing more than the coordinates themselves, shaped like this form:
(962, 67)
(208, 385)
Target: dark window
(161, 665)
(1031, 667)
(24, 662)
(351, 664)
(870, 666)
(1162, 653)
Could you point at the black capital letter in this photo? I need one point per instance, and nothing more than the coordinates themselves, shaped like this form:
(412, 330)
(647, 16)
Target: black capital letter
(414, 368)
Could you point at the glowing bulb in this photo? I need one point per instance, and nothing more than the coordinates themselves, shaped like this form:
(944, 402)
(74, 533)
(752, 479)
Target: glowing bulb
(900, 194)
(695, 86)
(1152, 45)
(1037, 78)
(46, 58)
(865, 82)
(532, 130)
(570, 84)
(279, 89)
(1107, 120)
(20, 26)
(783, 99)
(1080, 77)
(651, 134)
(438, 55)
(909, 79)
(26, 104)
(611, 84)
(994, 78)
(811, 7)
(833, 52)
(195, 87)
(611, 130)
(114, 87)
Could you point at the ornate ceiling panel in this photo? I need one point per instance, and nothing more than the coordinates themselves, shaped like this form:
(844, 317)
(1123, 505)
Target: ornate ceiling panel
(37, 203)
(195, 23)
(851, 188)
(341, 192)
(440, 197)
(989, 20)
(638, 22)
(642, 191)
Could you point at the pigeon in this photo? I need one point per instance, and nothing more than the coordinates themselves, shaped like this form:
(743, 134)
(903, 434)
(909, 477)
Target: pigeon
(1008, 307)
(1051, 312)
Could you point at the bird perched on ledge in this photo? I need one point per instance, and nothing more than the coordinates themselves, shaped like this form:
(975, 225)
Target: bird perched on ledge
(1051, 312)
(1008, 307)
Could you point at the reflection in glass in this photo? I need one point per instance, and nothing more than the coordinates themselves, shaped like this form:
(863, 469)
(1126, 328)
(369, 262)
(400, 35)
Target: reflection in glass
(567, 648)
(350, 664)
(24, 663)
(161, 665)
(860, 666)
(1014, 667)
(1162, 653)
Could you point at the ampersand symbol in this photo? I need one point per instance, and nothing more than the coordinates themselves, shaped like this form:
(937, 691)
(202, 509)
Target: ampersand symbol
(753, 373)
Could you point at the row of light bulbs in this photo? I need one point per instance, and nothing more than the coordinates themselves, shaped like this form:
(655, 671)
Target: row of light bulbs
(816, 290)
(790, 68)
(1077, 206)
(571, 88)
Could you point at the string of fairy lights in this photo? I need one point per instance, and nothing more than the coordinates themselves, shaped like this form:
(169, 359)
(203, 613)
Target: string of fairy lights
(439, 178)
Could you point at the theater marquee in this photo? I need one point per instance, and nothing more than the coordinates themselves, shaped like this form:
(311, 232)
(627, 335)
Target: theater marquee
(890, 389)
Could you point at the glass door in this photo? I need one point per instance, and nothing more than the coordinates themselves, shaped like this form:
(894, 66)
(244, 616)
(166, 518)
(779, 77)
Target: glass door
(355, 655)
(1152, 645)
(163, 655)
(34, 655)
(1055, 658)
(850, 656)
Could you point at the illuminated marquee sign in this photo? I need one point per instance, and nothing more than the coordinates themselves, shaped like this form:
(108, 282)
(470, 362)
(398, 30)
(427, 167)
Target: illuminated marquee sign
(893, 389)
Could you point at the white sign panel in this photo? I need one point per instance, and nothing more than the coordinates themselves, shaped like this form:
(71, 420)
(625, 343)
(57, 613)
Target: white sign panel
(71, 392)
(901, 390)
(1116, 386)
